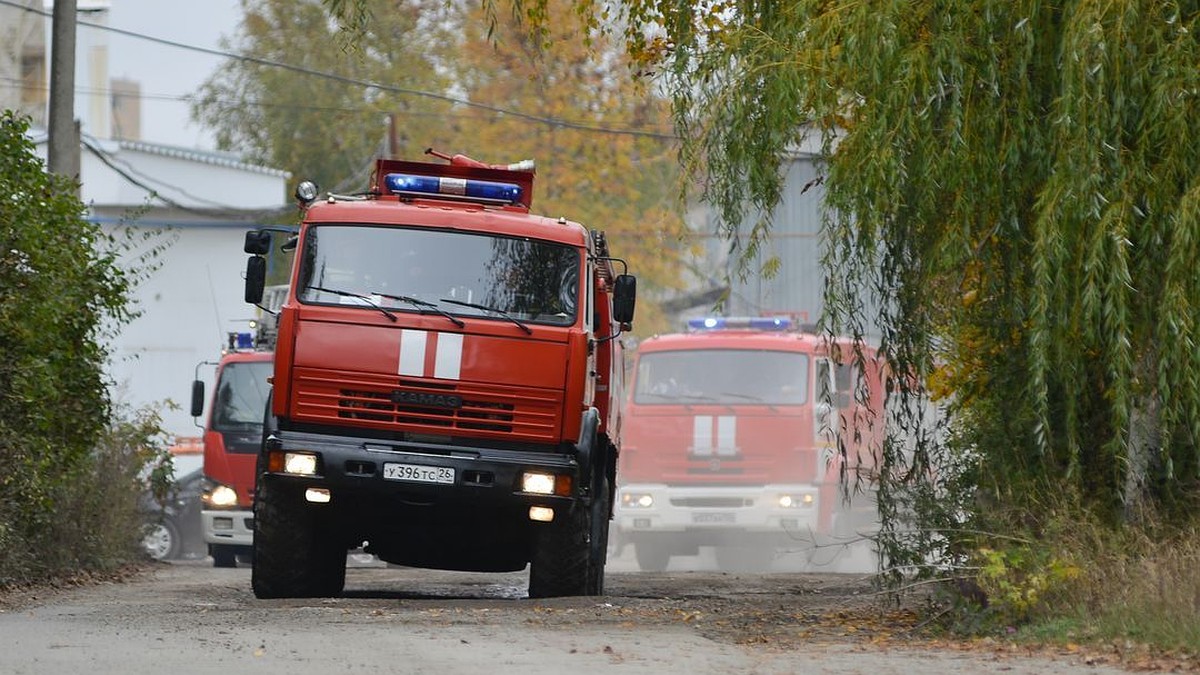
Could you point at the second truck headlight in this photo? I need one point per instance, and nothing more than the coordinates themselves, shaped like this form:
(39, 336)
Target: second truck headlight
(219, 496)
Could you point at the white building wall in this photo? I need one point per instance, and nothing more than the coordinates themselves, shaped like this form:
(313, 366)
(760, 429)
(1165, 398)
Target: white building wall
(193, 299)
(188, 305)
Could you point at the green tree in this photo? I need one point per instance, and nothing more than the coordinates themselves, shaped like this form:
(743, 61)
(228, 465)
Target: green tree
(605, 153)
(602, 143)
(1016, 182)
(298, 101)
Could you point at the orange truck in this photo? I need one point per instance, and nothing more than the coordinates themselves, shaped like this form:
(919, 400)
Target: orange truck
(447, 384)
(731, 437)
(232, 439)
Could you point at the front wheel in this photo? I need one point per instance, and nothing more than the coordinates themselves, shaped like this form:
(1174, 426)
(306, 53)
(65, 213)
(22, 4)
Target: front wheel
(291, 559)
(560, 557)
(598, 543)
(222, 555)
(162, 541)
(745, 559)
(651, 558)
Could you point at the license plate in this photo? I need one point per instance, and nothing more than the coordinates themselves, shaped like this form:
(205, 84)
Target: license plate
(417, 473)
(724, 518)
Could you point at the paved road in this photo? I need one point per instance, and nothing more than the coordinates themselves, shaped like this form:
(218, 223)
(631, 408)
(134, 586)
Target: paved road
(191, 618)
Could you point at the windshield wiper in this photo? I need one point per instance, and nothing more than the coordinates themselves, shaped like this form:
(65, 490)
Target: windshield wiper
(752, 398)
(422, 304)
(744, 397)
(506, 315)
(365, 298)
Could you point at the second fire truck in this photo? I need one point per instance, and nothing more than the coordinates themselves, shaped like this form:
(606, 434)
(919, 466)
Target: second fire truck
(731, 441)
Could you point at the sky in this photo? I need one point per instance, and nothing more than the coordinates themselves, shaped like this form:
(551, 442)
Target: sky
(166, 71)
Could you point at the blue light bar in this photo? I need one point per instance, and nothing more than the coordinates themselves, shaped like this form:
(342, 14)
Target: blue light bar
(245, 341)
(480, 190)
(741, 322)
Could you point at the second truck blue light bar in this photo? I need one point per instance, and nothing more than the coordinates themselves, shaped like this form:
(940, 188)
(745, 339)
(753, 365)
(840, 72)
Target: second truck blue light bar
(735, 322)
(481, 190)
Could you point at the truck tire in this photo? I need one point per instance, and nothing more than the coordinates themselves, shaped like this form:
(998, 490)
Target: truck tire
(598, 541)
(162, 540)
(651, 558)
(745, 559)
(223, 556)
(291, 560)
(560, 557)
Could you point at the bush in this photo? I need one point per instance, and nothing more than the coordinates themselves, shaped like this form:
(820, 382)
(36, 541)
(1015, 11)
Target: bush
(1137, 584)
(64, 487)
(1078, 578)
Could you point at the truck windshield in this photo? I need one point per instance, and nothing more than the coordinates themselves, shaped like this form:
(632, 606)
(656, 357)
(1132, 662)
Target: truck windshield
(498, 278)
(242, 396)
(722, 376)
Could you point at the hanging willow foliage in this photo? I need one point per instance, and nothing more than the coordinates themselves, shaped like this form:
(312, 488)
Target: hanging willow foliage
(1013, 187)
(1016, 184)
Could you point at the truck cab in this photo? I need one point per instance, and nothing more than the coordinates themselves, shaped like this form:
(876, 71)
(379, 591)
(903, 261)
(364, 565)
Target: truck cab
(232, 439)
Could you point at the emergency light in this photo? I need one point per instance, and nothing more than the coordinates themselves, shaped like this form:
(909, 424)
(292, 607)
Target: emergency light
(742, 322)
(245, 341)
(480, 190)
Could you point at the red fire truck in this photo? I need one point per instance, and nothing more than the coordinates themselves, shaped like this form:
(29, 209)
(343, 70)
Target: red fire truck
(232, 438)
(731, 441)
(447, 384)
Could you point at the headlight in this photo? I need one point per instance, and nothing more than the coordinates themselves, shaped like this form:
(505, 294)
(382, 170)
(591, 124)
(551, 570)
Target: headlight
(537, 483)
(796, 501)
(637, 500)
(300, 463)
(542, 483)
(220, 496)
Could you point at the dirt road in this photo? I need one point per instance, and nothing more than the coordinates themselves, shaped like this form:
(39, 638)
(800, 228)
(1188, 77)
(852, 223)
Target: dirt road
(192, 618)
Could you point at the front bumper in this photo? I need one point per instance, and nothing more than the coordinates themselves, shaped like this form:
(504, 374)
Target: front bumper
(483, 477)
(230, 527)
(479, 520)
(710, 515)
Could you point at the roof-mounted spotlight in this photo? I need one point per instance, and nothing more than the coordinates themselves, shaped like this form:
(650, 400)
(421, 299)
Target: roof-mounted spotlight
(306, 192)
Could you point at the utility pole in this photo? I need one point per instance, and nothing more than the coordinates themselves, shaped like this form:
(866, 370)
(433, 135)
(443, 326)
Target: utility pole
(393, 141)
(63, 146)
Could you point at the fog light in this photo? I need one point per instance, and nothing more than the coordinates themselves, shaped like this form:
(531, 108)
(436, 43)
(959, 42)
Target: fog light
(317, 495)
(636, 500)
(302, 464)
(537, 483)
(222, 523)
(542, 514)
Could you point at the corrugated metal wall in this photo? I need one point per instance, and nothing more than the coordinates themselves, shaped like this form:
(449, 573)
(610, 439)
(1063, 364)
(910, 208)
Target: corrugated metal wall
(795, 240)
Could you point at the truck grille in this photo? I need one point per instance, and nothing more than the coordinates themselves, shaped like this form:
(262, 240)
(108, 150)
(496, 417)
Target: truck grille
(372, 405)
(372, 401)
(712, 502)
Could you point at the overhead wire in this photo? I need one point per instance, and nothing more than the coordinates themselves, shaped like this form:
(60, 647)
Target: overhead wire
(128, 172)
(18, 83)
(550, 121)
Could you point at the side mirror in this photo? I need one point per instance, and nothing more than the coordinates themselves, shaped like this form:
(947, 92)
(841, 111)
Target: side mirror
(256, 279)
(624, 298)
(197, 398)
(258, 242)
